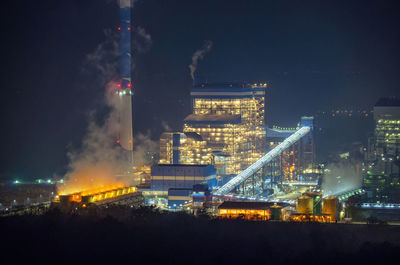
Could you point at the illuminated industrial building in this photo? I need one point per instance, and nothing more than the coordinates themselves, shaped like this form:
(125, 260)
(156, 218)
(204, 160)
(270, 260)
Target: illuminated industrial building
(256, 211)
(382, 179)
(387, 126)
(184, 148)
(387, 133)
(107, 195)
(226, 128)
(225, 137)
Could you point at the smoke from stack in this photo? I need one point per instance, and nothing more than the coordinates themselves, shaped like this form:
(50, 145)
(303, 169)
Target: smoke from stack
(199, 55)
(125, 3)
(99, 162)
(142, 40)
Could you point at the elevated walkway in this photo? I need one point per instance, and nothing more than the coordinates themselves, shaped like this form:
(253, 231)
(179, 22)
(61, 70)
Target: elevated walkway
(268, 157)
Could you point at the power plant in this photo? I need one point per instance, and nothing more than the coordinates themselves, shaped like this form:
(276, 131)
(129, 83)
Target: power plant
(226, 160)
(200, 132)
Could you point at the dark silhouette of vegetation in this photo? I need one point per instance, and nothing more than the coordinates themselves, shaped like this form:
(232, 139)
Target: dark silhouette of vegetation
(119, 235)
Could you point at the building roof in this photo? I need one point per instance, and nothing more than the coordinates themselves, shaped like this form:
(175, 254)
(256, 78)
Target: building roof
(221, 85)
(276, 133)
(213, 119)
(388, 102)
(251, 205)
(228, 90)
(229, 85)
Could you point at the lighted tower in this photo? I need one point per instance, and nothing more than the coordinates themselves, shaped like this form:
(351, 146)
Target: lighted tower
(125, 89)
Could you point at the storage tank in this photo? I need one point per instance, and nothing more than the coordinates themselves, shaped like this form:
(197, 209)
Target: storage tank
(329, 206)
(276, 212)
(305, 205)
(317, 201)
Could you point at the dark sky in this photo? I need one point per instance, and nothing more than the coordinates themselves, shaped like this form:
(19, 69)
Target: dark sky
(317, 55)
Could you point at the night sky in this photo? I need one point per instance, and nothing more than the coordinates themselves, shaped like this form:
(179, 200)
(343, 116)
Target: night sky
(316, 55)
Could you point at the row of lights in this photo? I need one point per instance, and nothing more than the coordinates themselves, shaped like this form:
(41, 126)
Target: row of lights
(128, 85)
(128, 28)
(39, 181)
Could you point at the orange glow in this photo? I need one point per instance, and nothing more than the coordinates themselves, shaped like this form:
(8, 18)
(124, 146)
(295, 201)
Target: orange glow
(111, 194)
(312, 218)
(119, 28)
(91, 178)
(244, 214)
(97, 195)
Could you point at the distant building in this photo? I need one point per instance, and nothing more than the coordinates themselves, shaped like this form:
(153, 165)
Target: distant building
(382, 180)
(387, 128)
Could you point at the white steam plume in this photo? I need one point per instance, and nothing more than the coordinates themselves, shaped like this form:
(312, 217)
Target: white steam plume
(142, 40)
(199, 55)
(166, 126)
(339, 178)
(100, 161)
(103, 61)
(125, 3)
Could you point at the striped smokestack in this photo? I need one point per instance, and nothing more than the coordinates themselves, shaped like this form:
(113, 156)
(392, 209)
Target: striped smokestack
(125, 87)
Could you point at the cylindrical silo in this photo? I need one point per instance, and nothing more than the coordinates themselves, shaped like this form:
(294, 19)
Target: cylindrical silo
(329, 206)
(305, 205)
(316, 196)
(276, 212)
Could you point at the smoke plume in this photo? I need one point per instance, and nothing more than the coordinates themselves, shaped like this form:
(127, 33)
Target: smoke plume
(165, 126)
(141, 40)
(199, 55)
(339, 178)
(103, 61)
(125, 3)
(100, 162)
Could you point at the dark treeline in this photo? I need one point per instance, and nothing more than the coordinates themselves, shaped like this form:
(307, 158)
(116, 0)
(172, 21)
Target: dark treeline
(145, 236)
